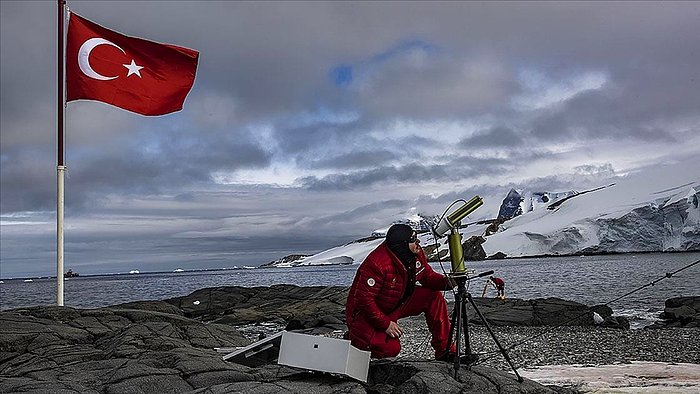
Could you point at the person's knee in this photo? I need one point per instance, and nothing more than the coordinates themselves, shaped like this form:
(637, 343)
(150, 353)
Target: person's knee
(389, 349)
(383, 346)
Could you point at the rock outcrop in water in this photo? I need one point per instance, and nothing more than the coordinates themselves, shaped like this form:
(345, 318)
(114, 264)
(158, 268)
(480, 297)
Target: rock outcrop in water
(681, 312)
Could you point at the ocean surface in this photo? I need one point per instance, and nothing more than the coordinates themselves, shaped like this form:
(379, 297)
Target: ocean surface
(590, 280)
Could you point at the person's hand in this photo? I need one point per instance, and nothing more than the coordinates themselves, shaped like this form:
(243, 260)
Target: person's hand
(393, 330)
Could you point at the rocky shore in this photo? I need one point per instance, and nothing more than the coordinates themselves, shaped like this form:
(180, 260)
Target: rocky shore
(565, 345)
(169, 346)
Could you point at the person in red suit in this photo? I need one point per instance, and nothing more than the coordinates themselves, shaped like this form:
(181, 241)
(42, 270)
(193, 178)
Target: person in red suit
(500, 286)
(393, 282)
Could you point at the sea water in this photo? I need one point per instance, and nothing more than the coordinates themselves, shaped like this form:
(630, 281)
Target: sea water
(591, 280)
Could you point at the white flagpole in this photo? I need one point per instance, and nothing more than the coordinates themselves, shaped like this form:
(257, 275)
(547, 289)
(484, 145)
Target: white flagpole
(60, 168)
(59, 235)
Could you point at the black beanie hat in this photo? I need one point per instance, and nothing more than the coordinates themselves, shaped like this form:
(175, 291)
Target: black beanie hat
(399, 234)
(397, 239)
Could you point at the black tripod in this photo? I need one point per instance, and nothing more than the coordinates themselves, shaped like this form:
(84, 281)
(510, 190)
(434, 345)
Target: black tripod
(460, 322)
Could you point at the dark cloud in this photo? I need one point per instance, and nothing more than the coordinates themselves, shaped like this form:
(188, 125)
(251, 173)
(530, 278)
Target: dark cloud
(457, 169)
(28, 178)
(364, 159)
(296, 140)
(334, 221)
(494, 137)
(383, 175)
(150, 163)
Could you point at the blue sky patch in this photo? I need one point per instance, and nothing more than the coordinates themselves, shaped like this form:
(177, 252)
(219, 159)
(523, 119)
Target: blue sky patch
(342, 75)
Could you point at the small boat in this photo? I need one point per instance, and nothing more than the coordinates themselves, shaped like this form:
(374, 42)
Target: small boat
(134, 272)
(71, 274)
(179, 270)
(28, 280)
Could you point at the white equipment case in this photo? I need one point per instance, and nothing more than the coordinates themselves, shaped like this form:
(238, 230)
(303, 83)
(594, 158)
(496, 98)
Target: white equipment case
(323, 354)
(304, 351)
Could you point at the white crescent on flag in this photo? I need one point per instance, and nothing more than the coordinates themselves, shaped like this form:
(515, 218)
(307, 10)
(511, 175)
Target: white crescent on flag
(84, 57)
(157, 86)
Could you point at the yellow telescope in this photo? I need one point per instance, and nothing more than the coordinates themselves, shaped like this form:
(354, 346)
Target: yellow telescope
(450, 224)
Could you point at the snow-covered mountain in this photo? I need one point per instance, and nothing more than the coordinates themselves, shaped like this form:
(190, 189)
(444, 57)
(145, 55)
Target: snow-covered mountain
(650, 211)
(654, 210)
(416, 221)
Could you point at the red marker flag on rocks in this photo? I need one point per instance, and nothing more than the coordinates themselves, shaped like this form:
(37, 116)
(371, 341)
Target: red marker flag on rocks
(134, 74)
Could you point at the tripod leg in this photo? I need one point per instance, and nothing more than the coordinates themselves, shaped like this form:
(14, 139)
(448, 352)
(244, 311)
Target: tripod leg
(452, 327)
(459, 303)
(467, 342)
(488, 328)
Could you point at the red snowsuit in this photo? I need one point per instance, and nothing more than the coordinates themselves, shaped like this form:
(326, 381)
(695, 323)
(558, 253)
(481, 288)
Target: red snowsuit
(375, 300)
(499, 283)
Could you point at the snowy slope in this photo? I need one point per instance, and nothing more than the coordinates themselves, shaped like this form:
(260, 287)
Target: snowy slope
(346, 254)
(653, 210)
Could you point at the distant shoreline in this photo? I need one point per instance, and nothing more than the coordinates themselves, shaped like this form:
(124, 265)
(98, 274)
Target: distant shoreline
(267, 266)
(602, 253)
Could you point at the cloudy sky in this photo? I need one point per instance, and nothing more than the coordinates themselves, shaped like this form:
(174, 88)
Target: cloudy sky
(312, 124)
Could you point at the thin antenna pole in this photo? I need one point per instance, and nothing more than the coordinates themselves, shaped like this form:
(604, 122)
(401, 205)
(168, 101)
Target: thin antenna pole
(60, 168)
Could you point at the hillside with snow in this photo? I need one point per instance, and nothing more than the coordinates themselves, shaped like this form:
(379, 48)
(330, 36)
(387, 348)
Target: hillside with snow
(648, 211)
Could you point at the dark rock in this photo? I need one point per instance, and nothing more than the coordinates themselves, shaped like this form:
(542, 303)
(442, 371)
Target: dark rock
(295, 324)
(603, 310)
(110, 350)
(236, 305)
(493, 227)
(302, 307)
(318, 326)
(680, 312)
(390, 376)
(147, 352)
(510, 207)
(149, 347)
(322, 310)
(618, 322)
(472, 249)
(536, 312)
(386, 376)
(497, 256)
(151, 306)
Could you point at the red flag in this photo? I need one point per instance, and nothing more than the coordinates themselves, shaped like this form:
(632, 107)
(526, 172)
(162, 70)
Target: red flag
(137, 75)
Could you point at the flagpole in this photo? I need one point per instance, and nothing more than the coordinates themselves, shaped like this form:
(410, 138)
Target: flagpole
(60, 168)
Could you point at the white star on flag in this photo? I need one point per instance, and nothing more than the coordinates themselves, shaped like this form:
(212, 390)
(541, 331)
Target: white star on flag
(133, 68)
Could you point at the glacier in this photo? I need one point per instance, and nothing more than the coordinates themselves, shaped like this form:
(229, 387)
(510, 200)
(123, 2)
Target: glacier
(653, 210)
(650, 211)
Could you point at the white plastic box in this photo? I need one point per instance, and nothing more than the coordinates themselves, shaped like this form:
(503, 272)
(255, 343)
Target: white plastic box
(323, 354)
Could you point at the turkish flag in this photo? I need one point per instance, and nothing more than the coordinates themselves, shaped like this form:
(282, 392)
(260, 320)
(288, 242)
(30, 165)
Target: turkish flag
(138, 75)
